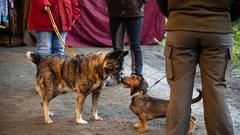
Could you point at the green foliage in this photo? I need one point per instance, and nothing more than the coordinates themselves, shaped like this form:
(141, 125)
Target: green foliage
(236, 46)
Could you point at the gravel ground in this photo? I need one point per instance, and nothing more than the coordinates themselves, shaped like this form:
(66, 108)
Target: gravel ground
(21, 112)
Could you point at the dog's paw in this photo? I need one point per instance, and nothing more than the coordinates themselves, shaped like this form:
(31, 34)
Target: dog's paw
(97, 118)
(81, 121)
(50, 113)
(142, 130)
(137, 125)
(49, 121)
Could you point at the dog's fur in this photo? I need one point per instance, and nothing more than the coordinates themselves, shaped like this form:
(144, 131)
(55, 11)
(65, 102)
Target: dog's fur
(144, 106)
(83, 74)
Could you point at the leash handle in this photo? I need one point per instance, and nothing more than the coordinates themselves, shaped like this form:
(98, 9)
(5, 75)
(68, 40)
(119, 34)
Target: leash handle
(70, 52)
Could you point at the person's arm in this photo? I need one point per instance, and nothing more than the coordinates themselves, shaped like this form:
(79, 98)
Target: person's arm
(163, 6)
(47, 3)
(76, 10)
(235, 10)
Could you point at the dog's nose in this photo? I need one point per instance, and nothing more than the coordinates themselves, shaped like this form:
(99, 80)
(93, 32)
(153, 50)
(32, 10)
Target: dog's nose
(120, 78)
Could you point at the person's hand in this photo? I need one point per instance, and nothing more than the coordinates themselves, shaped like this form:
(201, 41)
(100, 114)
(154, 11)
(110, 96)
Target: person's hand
(73, 22)
(45, 8)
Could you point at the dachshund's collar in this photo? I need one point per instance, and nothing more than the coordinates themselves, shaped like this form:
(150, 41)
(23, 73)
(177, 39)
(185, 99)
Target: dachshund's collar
(138, 93)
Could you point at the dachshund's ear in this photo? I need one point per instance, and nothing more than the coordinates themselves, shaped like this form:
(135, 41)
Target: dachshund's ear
(143, 85)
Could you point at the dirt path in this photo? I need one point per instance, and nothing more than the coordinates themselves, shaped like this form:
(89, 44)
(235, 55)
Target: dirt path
(21, 112)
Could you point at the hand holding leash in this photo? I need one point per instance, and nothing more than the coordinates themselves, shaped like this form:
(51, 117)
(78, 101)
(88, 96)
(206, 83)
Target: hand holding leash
(45, 8)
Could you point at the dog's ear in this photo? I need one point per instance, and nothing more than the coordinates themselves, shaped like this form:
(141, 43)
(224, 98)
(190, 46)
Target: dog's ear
(124, 53)
(143, 85)
(116, 54)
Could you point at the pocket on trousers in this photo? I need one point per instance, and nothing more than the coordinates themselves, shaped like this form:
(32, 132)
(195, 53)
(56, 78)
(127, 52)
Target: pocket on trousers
(228, 60)
(229, 53)
(168, 60)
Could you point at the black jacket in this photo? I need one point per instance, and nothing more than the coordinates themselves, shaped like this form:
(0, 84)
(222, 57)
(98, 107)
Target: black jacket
(198, 15)
(235, 10)
(125, 8)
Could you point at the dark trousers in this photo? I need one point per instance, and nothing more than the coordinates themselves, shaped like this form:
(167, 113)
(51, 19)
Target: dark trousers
(184, 50)
(132, 25)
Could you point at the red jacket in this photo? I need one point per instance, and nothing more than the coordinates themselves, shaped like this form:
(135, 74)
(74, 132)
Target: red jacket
(64, 12)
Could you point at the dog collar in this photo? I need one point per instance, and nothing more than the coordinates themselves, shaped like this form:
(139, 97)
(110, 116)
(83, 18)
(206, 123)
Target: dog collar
(136, 94)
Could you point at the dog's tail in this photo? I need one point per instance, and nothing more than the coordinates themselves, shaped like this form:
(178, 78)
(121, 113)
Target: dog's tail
(198, 98)
(33, 57)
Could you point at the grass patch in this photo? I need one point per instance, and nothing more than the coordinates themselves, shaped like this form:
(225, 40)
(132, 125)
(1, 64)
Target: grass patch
(236, 46)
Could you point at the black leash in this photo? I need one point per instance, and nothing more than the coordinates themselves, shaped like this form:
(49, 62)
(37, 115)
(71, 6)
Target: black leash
(158, 81)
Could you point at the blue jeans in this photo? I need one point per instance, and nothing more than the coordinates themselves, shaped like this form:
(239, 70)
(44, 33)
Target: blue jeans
(48, 43)
(133, 26)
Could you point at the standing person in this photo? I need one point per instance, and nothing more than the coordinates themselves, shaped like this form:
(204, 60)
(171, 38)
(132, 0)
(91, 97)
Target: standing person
(65, 13)
(126, 16)
(198, 32)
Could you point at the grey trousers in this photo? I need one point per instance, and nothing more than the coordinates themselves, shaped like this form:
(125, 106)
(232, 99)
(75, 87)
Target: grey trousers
(184, 50)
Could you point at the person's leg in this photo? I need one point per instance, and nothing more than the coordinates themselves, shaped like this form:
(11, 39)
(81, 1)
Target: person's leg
(134, 26)
(181, 57)
(44, 43)
(117, 34)
(57, 46)
(214, 60)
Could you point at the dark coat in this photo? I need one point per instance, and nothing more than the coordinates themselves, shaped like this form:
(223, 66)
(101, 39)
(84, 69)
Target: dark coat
(205, 16)
(235, 10)
(64, 12)
(125, 8)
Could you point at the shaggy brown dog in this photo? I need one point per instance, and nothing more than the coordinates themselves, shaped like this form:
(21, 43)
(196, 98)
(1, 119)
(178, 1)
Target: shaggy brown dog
(83, 74)
(144, 106)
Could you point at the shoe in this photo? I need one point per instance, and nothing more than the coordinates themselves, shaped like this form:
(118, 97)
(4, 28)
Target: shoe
(192, 124)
